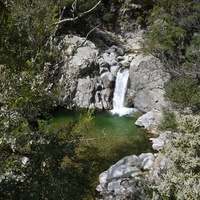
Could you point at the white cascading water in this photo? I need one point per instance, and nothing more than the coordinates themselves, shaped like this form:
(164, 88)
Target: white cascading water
(119, 94)
(120, 89)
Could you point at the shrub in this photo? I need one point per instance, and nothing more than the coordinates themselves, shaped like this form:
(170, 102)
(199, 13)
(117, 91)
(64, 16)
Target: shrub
(168, 122)
(181, 181)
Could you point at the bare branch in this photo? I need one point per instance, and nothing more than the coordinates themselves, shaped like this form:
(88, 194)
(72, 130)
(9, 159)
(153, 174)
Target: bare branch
(89, 34)
(73, 10)
(90, 139)
(78, 16)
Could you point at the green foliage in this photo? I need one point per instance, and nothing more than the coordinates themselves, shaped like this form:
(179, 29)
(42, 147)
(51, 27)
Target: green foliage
(105, 13)
(25, 29)
(84, 123)
(173, 37)
(171, 26)
(109, 17)
(32, 152)
(168, 122)
(32, 168)
(181, 181)
(184, 93)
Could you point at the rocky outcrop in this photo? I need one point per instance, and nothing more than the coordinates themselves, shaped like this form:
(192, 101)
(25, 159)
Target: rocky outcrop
(129, 177)
(115, 182)
(159, 142)
(150, 120)
(87, 78)
(147, 81)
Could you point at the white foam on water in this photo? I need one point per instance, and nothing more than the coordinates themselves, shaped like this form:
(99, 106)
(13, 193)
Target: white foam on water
(124, 111)
(119, 95)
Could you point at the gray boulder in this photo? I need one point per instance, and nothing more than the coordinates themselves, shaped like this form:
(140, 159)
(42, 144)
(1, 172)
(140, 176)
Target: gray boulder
(86, 79)
(147, 81)
(105, 98)
(114, 69)
(122, 171)
(147, 160)
(150, 120)
(122, 180)
(107, 79)
(159, 142)
(84, 89)
(79, 56)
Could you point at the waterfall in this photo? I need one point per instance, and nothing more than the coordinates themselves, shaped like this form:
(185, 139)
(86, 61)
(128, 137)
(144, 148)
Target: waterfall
(120, 89)
(119, 94)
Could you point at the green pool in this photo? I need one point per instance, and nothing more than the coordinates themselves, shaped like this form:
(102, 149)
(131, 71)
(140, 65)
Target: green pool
(122, 138)
(117, 129)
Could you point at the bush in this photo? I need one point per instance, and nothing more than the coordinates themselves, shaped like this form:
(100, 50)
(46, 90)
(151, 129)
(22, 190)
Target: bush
(109, 18)
(168, 122)
(181, 181)
(184, 92)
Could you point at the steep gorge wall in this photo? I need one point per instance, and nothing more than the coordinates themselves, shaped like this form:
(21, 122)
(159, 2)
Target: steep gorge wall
(88, 74)
(87, 78)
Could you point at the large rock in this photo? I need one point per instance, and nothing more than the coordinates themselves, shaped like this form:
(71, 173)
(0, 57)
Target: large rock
(87, 78)
(150, 120)
(129, 178)
(79, 56)
(147, 82)
(147, 160)
(83, 96)
(106, 100)
(108, 79)
(124, 179)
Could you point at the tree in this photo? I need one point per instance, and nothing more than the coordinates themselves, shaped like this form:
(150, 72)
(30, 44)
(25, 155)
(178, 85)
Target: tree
(37, 161)
(173, 37)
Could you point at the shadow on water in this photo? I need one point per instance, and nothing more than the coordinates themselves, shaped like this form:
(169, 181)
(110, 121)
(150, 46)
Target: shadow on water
(122, 139)
(98, 156)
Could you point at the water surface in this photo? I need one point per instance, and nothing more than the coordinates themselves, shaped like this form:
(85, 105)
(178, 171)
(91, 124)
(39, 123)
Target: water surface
(117, 129)
(96, 153)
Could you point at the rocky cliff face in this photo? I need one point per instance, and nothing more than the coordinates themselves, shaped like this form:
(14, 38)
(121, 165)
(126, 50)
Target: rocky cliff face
(88, 75)
(147, 81)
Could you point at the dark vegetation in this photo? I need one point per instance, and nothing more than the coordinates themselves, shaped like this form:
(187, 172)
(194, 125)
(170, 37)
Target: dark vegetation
(174, 37)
